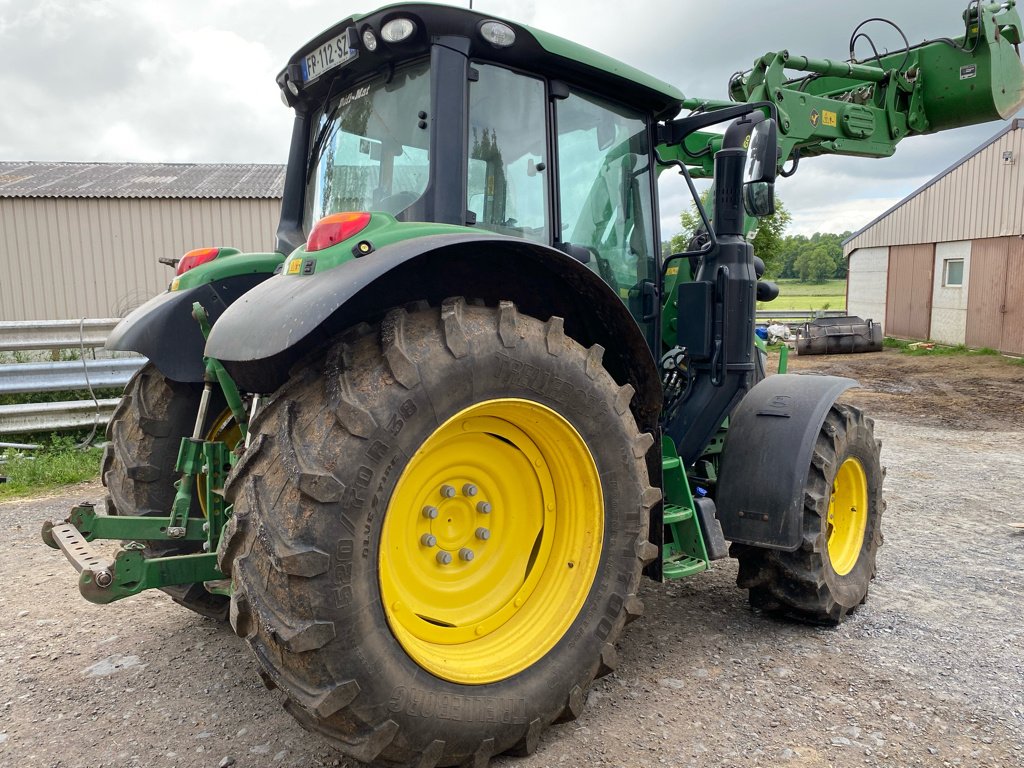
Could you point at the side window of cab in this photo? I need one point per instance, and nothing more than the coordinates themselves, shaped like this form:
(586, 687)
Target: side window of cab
(507, 184)
(605, 189)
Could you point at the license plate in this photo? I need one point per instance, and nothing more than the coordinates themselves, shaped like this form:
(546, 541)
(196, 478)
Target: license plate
(333, 53)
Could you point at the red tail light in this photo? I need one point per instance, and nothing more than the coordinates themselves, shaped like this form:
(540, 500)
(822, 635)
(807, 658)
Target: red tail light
(196, 257)
(335, 228)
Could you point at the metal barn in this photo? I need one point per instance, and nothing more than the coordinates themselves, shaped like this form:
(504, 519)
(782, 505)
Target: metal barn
(83, 239)
(946, 263)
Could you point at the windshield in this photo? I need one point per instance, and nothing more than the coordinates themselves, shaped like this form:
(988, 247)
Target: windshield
(369, 149)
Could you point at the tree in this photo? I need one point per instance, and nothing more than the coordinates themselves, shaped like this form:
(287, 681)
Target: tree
(800, 258)
(768, 241)
(815, 263)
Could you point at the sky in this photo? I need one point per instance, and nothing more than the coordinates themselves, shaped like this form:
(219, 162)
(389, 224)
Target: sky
(193, 80)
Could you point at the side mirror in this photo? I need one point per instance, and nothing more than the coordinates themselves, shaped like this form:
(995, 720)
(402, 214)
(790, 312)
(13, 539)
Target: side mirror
(760, 169)
(759, 198)
(762, 153)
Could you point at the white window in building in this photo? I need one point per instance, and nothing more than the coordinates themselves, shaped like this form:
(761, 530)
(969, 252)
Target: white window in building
(952, 273)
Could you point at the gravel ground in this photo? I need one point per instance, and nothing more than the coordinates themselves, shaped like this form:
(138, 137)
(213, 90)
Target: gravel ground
(929, 673)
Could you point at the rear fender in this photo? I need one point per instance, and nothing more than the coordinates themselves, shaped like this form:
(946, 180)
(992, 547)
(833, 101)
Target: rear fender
(261, 336)
(163, 329)
(768, 449)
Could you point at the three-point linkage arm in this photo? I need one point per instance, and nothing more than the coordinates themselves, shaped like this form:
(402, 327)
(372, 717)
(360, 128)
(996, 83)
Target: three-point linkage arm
(867, 107)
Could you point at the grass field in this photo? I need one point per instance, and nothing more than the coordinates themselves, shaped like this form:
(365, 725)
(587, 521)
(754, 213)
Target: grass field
(48, 469)
(796, 295)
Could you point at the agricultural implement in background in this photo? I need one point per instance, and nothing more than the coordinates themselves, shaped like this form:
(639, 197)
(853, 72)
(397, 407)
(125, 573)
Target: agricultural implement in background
(839, 335)
(421, 455)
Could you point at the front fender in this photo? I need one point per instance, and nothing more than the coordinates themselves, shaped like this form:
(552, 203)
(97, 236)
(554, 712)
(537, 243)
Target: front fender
(262, 334)
(767, 452)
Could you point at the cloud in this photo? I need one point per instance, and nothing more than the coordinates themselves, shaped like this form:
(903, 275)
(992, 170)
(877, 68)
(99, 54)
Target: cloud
(193, 80)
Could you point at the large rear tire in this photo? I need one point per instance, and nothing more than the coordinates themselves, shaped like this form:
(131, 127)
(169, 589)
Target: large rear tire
(829, 575)
(138, 469)
(438, 534)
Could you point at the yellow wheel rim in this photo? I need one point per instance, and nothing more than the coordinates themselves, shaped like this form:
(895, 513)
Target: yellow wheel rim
(491, 541)
(226, 430)
(847, 516)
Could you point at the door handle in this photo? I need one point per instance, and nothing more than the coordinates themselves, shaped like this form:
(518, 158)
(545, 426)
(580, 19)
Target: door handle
(649, 304)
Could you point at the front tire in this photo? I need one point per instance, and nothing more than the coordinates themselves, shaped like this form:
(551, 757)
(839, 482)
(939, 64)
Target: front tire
(828, 576)
(374, 462)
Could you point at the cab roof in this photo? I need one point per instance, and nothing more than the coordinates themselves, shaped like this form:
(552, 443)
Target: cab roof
(533, 51)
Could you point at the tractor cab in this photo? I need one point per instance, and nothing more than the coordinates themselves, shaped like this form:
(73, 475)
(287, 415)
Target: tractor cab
(446, 115)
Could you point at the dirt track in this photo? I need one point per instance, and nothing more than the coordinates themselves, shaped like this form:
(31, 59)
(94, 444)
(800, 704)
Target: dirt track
(929, 673)
(957, 391)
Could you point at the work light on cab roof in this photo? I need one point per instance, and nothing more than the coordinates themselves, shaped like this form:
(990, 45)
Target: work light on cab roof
(397, 30)
(498, 34)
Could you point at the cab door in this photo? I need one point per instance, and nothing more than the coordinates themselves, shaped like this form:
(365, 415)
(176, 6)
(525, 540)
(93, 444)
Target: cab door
(606, 197)
(600, 180)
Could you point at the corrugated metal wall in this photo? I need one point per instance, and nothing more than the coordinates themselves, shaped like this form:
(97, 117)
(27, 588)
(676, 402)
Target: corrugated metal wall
(77, 257)
(995, 302)
(983, 197)
(908, 305)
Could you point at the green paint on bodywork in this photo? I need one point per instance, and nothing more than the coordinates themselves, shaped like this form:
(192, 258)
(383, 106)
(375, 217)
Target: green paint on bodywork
(383, 230)
(567, 49)
(132, 572)
(230, 263)
(96, 526)
(684, 552)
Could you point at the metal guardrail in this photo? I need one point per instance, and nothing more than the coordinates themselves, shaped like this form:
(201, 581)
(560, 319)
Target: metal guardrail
(23, 335)
(44, 417)
(25, 378)
(62, 376)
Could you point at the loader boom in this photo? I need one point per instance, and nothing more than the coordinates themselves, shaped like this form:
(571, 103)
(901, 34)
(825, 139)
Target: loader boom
(866, 107)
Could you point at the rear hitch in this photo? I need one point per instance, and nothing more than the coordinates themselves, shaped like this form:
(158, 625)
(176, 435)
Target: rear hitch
(104, 580)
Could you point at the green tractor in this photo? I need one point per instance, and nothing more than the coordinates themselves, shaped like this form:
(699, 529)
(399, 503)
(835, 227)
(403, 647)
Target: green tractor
(423, 453)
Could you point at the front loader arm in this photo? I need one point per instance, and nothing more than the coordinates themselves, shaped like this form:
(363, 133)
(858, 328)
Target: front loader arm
(865, 108)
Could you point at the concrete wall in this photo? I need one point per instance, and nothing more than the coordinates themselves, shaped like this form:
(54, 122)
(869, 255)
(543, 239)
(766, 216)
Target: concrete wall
(866, 283)
(949, 304)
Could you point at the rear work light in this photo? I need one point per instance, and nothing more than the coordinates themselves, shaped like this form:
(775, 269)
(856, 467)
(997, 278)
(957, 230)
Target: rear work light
(397, 30)
(335, 228)
(194, 258)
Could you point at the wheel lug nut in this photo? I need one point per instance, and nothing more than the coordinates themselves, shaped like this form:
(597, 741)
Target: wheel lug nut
(444, 557)
(483, 534)
(447, 491)
(469, 489)
(430, 512)
(483, 507)
(428, 540)
(466, 554)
